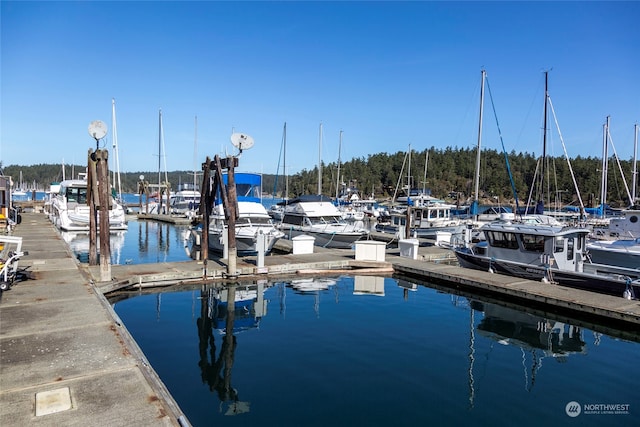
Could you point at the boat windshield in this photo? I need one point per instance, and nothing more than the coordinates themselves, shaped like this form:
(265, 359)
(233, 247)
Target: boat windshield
(322, 220)
(247, 221)
(78, 195)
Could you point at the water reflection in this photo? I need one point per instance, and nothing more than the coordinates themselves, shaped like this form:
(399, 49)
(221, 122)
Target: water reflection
(227, 311)
(143, 242)
(537, 338)
(477, 346)
(79, 244)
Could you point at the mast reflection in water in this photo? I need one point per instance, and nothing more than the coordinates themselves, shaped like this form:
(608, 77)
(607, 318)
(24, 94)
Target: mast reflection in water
(376, 351)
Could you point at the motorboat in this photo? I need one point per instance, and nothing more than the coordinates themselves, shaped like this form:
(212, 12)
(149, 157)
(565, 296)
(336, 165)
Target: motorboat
(549, 253)
(185, 201)
(317, 216)
(624, 226)
(620, 253)
(426, 221)
(253, 218)
(71, 212)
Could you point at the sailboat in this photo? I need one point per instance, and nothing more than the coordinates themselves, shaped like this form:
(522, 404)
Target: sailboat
(317, 216)
(20, 194)
(186, 200)
(549, 253)
(429, 217)
(276, 210)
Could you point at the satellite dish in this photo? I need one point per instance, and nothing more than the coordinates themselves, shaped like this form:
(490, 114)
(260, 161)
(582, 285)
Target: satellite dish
(241, 141)
(97, 129)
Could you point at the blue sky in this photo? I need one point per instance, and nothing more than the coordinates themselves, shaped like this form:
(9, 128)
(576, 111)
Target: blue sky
(388, 74)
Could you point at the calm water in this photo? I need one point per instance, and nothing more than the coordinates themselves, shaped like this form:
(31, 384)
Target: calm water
(144, 242)
(377, 351)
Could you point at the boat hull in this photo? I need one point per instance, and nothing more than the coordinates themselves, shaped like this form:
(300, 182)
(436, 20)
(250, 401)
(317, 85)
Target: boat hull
(246, 240)
(614, 284)
(326, 239)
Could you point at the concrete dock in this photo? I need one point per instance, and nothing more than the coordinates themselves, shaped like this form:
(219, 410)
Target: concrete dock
(66, 359)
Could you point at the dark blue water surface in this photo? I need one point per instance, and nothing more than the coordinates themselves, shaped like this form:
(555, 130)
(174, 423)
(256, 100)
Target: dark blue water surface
(373, 351)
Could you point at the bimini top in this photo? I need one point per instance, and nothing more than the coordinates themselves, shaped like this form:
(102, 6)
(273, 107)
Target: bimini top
(248, 187)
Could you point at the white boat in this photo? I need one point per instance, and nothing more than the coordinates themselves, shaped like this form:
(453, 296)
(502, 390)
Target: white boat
(547, 253)
(318, 217)
(625, 226)
(427, 221)
(252, 221)
(70, 211)
(620, 253)
(185, 201)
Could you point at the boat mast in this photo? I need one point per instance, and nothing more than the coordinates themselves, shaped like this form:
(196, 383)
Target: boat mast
(284, 162)
(115, 148)
(605, 166)
(477, 177)
(409, 175)
(338, 179)
(159, 148)
(544, 141)
(195, 154)
(320, 161)
(635, 164)
(424, 178)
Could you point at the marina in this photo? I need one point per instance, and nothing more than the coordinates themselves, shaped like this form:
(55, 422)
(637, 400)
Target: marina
(43, 315)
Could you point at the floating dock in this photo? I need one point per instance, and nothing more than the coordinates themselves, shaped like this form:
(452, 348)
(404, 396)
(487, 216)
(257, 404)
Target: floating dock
(67, 359)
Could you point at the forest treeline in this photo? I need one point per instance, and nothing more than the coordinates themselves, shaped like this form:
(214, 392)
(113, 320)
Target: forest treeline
(449, 172)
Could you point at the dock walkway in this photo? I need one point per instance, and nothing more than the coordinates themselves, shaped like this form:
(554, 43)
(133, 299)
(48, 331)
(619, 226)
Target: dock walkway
(65, 360)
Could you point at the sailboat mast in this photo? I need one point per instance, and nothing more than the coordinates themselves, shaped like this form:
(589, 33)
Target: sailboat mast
(477, 177)
(635, 164)
(159, 148)
(409, 174)
(115, 148)
(605, 166)
(195, 153)
(338, 179)
(424, 178)
(544, 136)
(284, 162)
(320, 161)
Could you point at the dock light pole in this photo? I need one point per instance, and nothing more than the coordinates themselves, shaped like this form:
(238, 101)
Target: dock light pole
(98, 197)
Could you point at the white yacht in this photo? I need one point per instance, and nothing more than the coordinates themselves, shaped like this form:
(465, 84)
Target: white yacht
(253, 218)
(70, 211)
(318, 217)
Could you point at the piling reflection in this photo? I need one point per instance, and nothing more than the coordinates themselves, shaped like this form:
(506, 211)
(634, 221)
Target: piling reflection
(227, 311)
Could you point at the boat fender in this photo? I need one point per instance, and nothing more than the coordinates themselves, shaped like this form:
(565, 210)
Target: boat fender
(626, 294)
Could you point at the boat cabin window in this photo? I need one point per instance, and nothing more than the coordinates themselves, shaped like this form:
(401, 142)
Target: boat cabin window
(293, 219)
(78, 195)
(558, 244)
(247, 190)
(533, 242)
(570, 244)
(499, 239)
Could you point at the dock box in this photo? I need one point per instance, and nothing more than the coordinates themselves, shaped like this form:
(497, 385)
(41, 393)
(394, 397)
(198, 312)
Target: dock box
(370, 250)
(408, 248)
(303, 244)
